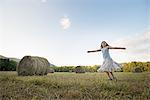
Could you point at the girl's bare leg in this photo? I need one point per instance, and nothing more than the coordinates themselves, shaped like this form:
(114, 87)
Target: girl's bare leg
(112, 75)
(109, 75)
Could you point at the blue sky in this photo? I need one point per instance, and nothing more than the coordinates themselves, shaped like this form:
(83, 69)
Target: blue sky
(63, 30)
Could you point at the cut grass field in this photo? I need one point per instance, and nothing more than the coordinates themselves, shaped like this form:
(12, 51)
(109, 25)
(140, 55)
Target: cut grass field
(72, 86)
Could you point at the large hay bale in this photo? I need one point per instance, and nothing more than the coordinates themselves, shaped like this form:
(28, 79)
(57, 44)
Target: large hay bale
(79, 69)
(32, 65)
(137, 70)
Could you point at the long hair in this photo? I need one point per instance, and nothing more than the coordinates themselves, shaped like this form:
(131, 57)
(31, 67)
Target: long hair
(103, 42)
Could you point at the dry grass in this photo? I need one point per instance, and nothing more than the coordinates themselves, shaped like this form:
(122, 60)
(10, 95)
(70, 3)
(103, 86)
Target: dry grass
(72, 86)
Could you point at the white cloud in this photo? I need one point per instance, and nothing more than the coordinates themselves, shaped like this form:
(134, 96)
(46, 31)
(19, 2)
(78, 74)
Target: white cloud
(43, 1)
(65, 22)
(138, 46)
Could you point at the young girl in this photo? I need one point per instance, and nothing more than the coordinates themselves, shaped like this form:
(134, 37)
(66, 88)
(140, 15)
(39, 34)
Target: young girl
(108, 65)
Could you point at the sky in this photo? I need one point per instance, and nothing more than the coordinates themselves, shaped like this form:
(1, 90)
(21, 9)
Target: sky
(64, 30)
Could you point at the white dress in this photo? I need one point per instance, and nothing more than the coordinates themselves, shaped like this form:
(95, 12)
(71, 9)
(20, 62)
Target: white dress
(108, 64)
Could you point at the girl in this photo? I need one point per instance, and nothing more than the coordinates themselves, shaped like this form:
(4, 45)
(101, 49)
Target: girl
(108, 65)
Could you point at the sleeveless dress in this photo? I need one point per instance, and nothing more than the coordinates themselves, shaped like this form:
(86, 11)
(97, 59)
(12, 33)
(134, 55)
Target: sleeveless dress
(108, 64)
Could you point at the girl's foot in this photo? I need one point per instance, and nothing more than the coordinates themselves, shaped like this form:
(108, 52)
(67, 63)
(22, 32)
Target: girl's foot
(110, 79)
(115, 78)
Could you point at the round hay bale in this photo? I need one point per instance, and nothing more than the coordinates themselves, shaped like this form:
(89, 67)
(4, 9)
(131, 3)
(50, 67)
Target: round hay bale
(32, 65)
(70, 71)
(50, 70)
(79, 69)
(137, 70)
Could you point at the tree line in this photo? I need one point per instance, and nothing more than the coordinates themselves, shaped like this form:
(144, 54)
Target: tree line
(7, 65)
(128, 67)
(125, 67)
(10, 65)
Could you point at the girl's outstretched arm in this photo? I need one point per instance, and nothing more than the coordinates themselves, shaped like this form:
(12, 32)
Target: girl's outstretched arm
(116, 47)
(94, 51)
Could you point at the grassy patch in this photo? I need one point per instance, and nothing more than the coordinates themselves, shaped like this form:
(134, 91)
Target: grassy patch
(68, 86)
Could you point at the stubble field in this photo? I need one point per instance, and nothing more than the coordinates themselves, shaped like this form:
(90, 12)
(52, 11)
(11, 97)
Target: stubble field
(72, 86)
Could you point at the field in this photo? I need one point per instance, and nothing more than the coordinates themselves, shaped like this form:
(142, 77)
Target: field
(72, 86)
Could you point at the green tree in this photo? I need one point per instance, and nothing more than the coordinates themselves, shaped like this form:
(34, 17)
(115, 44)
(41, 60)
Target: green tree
(7, 65)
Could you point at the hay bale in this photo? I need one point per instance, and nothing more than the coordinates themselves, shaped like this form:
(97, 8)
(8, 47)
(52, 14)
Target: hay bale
(79, 69)
(70, 71)
(137, 70)
(32, 65)
(50, 70)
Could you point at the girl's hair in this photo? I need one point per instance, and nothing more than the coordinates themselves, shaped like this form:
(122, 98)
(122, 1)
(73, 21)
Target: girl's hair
(105, 42)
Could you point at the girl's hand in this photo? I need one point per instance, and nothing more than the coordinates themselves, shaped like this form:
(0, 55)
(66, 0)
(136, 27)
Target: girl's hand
(88, 51)
(110, 47)
(94, 51)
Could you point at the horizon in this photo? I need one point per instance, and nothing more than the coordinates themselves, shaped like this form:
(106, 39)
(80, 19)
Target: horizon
(63, 31)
